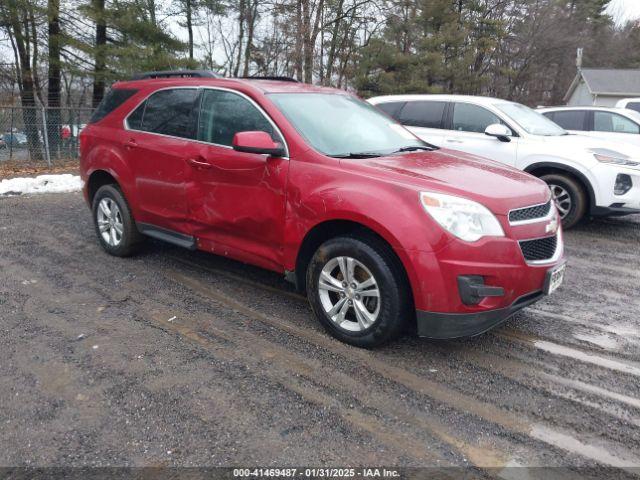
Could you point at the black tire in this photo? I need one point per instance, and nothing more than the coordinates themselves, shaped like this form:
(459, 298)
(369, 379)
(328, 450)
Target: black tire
(130, 239)
(576, 193)
(395, 307)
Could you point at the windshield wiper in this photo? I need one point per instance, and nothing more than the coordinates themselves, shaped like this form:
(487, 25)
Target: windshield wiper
(358, 155)
(413, 148)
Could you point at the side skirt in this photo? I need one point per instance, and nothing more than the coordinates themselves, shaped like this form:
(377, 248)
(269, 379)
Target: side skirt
(176, 238)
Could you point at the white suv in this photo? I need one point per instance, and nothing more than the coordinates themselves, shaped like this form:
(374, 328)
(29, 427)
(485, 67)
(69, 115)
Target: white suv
(615, 124)
(587, 176)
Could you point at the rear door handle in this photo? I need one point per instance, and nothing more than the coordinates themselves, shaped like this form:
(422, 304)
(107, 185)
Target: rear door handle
(198, 163)
(451, 140)
(131, 143)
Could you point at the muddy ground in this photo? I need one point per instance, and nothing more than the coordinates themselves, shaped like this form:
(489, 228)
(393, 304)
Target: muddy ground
(178, 358)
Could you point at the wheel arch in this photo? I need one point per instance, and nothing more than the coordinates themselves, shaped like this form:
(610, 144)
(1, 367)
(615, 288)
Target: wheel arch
(543, 168)
(97, 179)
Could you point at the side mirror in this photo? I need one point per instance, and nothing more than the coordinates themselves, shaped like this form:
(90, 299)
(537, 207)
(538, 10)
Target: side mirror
(257, 142)
(501, 132)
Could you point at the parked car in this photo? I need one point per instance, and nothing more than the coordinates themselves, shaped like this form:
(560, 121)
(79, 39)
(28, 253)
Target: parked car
(378, 227)
(3, 144)
(629, 103)
(15, 139)
(587, 176)
(614, 124)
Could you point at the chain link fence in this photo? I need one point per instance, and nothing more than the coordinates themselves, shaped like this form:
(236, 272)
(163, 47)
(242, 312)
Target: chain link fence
(33, 137)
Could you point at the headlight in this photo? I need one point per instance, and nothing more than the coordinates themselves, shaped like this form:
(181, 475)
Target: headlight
(466, 219)
(611, 156)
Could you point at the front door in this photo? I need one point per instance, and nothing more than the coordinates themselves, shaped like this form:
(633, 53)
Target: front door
(236, 199)
(468, 123)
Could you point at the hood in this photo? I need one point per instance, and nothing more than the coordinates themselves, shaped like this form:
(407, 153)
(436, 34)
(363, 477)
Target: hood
(498, 187)
(575, 142)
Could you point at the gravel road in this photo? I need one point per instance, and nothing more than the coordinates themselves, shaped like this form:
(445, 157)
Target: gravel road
(179, 358)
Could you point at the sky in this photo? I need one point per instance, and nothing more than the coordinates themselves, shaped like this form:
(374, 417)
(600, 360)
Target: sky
(624, 10)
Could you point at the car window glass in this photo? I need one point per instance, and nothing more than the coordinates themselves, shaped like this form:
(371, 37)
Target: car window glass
(423, 114)
(391, 108)
(612, 122)
(570, 119)
(134, 120)
(635, 106)
(171, 112)
(112, 100)
(223, 114)
(472, 118)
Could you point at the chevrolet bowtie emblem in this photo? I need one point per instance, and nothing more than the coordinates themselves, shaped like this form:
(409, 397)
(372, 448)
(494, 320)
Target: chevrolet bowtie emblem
(552, 226)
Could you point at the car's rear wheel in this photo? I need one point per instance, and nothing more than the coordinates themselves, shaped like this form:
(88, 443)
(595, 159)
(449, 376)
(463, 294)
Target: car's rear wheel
(569, 197)
(114, 224)
(358, 291)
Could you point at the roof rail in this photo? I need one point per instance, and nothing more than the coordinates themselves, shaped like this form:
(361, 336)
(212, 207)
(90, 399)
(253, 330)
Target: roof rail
(176, 73)
(269, 77)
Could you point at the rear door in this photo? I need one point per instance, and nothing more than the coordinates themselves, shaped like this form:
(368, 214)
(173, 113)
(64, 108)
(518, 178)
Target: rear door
(425, 118)
(157, 145)
(613, 126)
(468, 123)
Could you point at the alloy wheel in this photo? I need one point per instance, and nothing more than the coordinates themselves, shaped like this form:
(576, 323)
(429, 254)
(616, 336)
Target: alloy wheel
(349, 294)
(110, 222)
(562, 199)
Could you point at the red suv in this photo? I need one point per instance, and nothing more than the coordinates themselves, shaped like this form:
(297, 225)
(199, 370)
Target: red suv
(381, 229)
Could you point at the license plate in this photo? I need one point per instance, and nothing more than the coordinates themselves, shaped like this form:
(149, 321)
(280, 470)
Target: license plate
(554, 279)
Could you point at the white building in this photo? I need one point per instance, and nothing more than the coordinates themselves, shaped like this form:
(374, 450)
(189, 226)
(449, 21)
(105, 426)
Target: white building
(602, 87)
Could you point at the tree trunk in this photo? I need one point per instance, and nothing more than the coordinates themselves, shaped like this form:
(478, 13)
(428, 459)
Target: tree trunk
(100, 57)
(190, 27)
(241, 19)
(54, 88)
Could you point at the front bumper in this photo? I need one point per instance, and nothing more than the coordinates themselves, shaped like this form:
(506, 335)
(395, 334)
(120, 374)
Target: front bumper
(455, 325)
(606, 201)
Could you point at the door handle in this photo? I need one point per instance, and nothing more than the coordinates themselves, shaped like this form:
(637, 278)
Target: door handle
(450, 140)
(197, 163)
(131, 143)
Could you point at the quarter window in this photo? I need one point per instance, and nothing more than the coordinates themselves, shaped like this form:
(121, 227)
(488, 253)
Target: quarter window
(570, 119)
(223, 114)
(423, 114)
(168, 112)
(472, 118)
(633, 106)
(612, 122)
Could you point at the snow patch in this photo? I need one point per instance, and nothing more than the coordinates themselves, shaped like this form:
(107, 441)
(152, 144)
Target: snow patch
(62, 183)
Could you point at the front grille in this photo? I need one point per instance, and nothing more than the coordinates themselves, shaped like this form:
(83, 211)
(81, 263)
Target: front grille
(539, 249)
(529, 213)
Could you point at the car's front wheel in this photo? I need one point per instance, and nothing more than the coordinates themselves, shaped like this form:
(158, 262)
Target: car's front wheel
(358, 291)
(114, 224)
(569, 197)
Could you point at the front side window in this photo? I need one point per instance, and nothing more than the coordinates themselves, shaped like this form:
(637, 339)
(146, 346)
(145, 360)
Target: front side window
(167, 112)
(341, 125)
(424, 114)
(570, 119)
(529, 120)
(472, 118)
(391, 108)
(612, 122)
(223, 114)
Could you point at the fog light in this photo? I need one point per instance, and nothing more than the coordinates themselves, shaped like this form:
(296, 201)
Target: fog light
(623, 184)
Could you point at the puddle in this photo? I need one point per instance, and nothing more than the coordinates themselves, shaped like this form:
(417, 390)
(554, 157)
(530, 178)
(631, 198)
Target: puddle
(601, 340)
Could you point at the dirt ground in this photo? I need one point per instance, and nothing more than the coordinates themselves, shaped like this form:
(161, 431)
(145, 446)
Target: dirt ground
(179, 358)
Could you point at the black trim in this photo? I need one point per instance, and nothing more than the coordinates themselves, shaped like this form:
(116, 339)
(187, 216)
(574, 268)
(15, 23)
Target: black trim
(565, 168)
(166, 235)
(473, 290)
(444, 326)
(613, 211)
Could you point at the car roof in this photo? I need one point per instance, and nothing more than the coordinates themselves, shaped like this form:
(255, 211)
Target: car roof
(441, 97)
(257, 85)
(586, 107)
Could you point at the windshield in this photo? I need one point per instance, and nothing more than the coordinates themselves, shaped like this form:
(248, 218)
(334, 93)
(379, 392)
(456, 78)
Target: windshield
(529, 120)
(341, 125)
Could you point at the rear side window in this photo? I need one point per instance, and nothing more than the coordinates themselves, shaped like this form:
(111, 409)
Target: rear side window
(391, 108)
(423, 114)
(633, 106)
(472, 118)
(167, 112)
(223, 114)
(612, 122)
(570, 119)
(112, 100)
